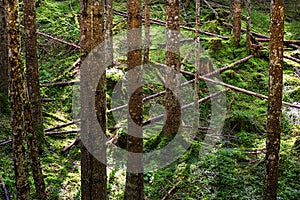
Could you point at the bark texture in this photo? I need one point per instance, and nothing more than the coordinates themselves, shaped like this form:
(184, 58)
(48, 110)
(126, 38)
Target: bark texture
(93, 172)
(237, 18)
(17, 98)
(134, 187)
(32, 71)
(248, 34)
(172, 105)
(275, 100)
(3, 49)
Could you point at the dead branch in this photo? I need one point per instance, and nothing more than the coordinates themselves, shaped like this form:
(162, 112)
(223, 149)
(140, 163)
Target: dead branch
(162, 23)
(62, 84)
(62, 125)
(170, 191)
(61, 132)
(6, 194)
(291, 58)
(218, 71)
(2, 143)
(211, 8)
(47, 99)
(67, 148)
(56, 39)
(154, 119)
(297, 42)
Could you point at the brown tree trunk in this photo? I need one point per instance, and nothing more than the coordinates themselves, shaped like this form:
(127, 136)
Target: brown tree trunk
(93, 172)
(109, 32)
(275, 100)
(17, 97)
(248, 34)
(172, 105)
(134, 187)
(32, 72)
(3, 49)
(237, 19)
(147, 32)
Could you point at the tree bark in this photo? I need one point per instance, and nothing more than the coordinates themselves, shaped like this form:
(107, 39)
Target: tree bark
(93, 172)
(237, 18)
(134, 187)
(248, 29)
(172, 98)
(3, 49)
(275, 100)
(17, 97)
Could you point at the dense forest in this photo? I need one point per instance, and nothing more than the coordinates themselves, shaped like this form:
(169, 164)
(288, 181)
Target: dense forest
(192, 99)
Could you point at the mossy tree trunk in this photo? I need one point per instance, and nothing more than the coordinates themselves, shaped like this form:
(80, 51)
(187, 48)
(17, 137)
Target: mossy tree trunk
(93, 172)
(17, 99)
(275, 100)
(3, 49)
(134, 187)
(172, 105)
(237, 19)
(33, 109)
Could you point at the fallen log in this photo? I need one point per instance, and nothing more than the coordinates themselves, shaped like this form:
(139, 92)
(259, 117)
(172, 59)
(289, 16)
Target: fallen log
(211, 8)
(239, 89)
(2, 143)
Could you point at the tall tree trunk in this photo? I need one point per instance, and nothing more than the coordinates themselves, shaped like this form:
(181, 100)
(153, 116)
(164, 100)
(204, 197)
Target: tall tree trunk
(134, 187)
(32, 71)
(275, 100)
(147, 32)
(17, 97)
(93, 172)
(172, 106)
(109, 32)
(3, 49)
(237, 19)
(248, 10)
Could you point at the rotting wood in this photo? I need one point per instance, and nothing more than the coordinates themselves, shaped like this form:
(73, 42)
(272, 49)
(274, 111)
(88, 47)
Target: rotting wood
(297, 42)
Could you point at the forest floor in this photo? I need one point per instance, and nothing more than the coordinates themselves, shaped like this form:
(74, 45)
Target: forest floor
(234, 167)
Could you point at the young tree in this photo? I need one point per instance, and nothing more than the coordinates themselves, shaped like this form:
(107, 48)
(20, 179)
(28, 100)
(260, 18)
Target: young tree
(134, 187)
(275, 100)
(3, 49)
(172, 106)
(237, 19)
(93, 172)
(17, 98)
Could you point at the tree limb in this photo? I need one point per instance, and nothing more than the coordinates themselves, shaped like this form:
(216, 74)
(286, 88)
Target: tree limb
(6, 194)
(62, 125)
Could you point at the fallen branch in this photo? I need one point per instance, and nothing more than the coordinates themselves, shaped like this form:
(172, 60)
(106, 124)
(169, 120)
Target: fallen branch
(291, 58)
(211, 8)
(154, 119)
(67, 148)
(62, 84)
(6, 194)
(170, 191)
(47, 99)
(56, 39)
(239, 89)
(62, 125)
(61, 132)
(297, 42)
(2, 143)
(162, 23)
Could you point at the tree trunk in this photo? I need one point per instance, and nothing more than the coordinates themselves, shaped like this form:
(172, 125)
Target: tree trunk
(134, 187)
(3, 49)
(237, 18)
(275, 100)
(17, 97)
(93, 172)
(172, 105)
(147, 32)
(248, 34)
